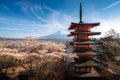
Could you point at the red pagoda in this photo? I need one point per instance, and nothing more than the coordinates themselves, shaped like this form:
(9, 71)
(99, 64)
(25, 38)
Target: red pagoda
(85, 64)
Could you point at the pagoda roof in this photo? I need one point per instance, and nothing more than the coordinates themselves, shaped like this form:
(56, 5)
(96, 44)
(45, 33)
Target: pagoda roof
(84, 33)
(92, 62)
(74, 25)
(89, 52)
(86, 42)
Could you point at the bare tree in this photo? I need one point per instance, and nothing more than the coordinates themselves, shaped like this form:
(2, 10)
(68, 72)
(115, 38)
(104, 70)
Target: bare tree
(112, 33)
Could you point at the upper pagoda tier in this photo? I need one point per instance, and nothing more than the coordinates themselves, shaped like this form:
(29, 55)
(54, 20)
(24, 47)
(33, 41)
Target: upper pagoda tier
(82, 25)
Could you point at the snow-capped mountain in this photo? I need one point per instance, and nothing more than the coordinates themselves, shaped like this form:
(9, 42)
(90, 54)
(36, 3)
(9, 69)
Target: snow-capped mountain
(56, 35)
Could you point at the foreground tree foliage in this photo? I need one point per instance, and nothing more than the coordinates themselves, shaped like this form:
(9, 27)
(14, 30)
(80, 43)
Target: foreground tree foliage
(111, 48)
(39, 60)
(111, 44)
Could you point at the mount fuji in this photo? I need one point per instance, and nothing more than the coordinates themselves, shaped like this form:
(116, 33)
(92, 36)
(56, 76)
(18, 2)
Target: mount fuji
(56, 35)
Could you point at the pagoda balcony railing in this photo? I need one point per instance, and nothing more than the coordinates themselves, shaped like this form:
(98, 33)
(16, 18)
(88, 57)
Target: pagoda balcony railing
(83, 29)
(82, 46)
(80, 39)
(79, 30)
(82, 49)
(84, 69)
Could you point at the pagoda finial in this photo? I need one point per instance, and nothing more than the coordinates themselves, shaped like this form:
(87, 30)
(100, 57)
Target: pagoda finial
(81, 13)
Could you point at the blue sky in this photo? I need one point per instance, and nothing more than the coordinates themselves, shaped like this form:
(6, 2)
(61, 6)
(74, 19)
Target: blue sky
(22, 18)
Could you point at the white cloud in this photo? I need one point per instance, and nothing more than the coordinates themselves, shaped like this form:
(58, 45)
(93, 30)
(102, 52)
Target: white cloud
(55, 21)
(107, 24)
